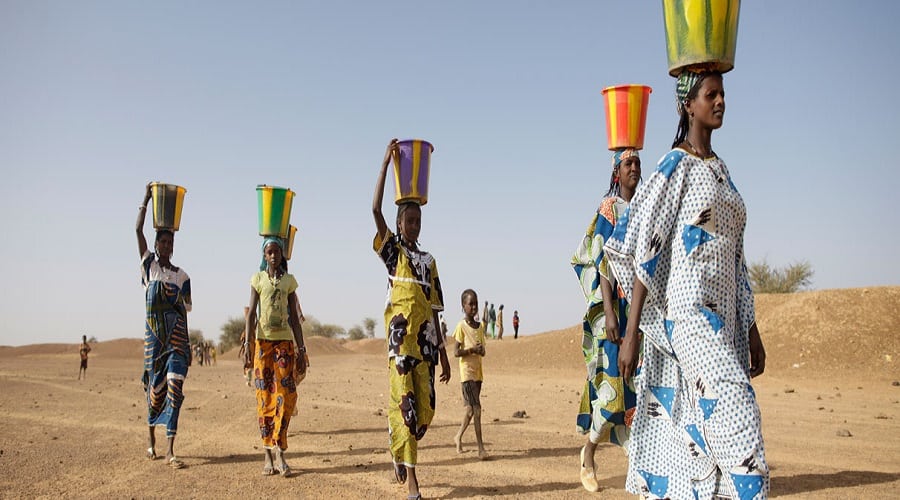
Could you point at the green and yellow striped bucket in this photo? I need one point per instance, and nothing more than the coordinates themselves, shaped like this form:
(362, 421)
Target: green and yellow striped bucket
(701, 33)
(274, 210)
(168, 199)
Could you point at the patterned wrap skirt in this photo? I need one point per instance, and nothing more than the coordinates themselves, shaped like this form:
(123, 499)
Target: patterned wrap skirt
(276, 390)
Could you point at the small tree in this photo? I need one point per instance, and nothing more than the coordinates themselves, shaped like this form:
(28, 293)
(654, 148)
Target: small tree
(231, 333)
(356, 333)
(789, 279)
(314, 328)
(195, 336)
(369, 325)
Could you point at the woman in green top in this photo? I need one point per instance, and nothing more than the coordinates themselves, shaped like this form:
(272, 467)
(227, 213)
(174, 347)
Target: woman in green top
(280, 353)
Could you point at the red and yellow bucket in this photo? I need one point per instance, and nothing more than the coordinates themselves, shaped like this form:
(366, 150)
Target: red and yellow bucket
(626, 115)
(274, 210)
(289, 249)
(168, 200)
(411, 169)
(701, 33)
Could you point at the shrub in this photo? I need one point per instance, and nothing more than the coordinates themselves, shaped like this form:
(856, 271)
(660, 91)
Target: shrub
(789, 279)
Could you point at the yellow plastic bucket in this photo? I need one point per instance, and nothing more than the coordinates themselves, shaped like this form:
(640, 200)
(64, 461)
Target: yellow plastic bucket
(274, 210)
(701, 33)
(290, 243)
(626, 115)
(411, 168)
(168, 199)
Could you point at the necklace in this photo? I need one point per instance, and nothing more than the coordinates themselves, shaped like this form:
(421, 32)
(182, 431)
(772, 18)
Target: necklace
(274, 279)
(712, 154)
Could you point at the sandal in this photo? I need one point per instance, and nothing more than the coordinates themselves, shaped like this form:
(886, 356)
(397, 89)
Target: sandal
(400, 473)
(588, 476)
(284, 471)
(151, 454)
(176, 464)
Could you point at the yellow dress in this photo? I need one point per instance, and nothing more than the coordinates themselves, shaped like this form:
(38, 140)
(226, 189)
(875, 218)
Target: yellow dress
(413, 342)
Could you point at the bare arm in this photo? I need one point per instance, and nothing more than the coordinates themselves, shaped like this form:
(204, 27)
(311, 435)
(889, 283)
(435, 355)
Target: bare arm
(609, 310)
(297, 330)
(380, 224)
(139, 227)
(445, 362)
(251, 326)
(628, 354)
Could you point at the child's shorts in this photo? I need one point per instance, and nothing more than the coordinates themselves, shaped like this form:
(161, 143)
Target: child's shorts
(471, 392)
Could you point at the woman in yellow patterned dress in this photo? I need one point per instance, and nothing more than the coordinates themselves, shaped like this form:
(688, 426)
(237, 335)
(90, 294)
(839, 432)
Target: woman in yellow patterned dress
(607, 403)
(415, 343)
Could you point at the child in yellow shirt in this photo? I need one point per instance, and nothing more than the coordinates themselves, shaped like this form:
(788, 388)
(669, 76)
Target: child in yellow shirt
(469, 335)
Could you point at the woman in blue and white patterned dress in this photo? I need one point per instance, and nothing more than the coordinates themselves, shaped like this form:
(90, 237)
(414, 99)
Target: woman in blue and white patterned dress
(679, 256)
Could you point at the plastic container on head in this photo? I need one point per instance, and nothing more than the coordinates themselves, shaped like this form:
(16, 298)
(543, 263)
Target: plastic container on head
(626, 115)
(274, 210)
(701, 33)
(168, 200)
(289, 244)
(411, 170)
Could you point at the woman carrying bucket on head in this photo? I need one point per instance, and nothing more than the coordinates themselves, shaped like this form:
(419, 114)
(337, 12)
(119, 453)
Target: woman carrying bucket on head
(167, 295)
(415, 344)
(679, 255)
(607, 401)
(279, 354)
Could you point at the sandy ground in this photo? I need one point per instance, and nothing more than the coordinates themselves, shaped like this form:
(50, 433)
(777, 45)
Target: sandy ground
(830, 403)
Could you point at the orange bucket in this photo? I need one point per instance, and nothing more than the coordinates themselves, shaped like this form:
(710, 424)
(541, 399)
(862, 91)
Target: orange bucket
(168, 200)
(411, 168)
(290, 243)
(626, 115)
(701, 33)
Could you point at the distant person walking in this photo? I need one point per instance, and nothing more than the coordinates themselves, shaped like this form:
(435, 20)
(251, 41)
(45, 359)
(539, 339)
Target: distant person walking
(167, 350)
(500, 322)
(492, 321)
(469, 335)
(83, 353)
(516, 324)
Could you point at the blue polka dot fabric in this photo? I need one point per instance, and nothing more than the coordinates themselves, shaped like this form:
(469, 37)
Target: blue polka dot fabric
(697, 427)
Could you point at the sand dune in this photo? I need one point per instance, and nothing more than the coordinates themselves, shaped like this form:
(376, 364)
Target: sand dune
(829, 401)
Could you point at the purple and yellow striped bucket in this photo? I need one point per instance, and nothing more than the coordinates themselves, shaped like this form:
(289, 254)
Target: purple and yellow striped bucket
(289, 249)
(701, 33)
(168, 200)
(411, 168)
(274, 210)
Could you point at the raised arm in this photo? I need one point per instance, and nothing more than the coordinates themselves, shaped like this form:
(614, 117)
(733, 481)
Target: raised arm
(380, 224)
(139, 227)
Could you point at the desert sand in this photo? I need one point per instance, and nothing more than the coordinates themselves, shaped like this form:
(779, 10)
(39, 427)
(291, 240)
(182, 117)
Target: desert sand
(830, 402)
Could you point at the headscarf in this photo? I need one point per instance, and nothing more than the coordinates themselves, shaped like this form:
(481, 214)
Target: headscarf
(686, 81)
(621, 154)
(278, 241)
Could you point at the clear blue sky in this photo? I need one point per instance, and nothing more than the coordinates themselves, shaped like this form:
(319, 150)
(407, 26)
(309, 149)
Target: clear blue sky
(98, 98)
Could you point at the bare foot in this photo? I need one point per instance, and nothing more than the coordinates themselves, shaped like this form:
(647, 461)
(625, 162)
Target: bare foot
(483, 455)
(458, 440)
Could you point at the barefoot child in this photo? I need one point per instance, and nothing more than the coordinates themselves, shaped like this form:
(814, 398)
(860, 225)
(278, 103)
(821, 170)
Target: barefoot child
(83, 353)
(469, 335)
(415, 343)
